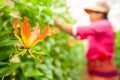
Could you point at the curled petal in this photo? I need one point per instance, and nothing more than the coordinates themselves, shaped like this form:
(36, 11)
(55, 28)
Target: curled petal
(16, 30)
(46, 31)
(42, 36)
(25, 32)
(34, 35)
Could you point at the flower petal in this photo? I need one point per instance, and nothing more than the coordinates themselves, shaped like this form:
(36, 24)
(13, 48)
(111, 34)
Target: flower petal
(56, 30)
(43, 35)
(45, 31)
(34, 35)
(16, 30)
(25, 32)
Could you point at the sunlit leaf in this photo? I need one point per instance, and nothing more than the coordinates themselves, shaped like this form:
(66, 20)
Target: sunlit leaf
(34, 73)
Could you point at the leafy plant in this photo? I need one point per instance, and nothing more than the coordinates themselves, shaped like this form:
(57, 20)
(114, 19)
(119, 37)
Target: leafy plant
(60, 55)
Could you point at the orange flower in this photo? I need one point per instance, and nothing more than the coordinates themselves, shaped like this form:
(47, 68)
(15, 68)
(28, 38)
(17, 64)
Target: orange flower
(54, 31)
(71, 43)
(29, 39)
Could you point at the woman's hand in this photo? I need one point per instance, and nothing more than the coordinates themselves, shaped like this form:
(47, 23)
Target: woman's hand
(63, 26)
(58, 24)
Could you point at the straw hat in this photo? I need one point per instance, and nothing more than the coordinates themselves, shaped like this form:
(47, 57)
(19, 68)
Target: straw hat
(100, 6)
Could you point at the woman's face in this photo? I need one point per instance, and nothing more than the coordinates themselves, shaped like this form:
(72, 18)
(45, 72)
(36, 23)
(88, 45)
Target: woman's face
(94, 16)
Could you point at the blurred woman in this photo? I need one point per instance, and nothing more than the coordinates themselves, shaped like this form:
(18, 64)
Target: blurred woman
(100, 35)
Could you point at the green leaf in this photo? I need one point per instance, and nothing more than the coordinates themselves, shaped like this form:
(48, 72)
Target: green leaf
(7, 42)
(9, 69)
(5, 52)
(47, 11)
(34, 73)
(3, 64)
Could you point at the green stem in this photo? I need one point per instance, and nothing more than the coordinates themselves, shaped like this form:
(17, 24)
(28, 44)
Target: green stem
(3, 77)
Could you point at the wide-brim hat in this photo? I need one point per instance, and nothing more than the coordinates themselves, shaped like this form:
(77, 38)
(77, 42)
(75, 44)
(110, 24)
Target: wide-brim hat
(100, 6)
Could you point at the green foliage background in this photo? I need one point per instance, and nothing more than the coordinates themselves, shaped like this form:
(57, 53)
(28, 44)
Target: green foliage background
(117, 50)
(60, 60)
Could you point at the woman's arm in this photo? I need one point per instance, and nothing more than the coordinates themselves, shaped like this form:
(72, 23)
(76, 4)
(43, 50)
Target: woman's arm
(64, 26)
(82, 32)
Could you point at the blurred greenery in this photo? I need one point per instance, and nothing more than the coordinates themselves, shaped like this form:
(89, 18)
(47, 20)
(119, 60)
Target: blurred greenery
(61, 56)
(117, 50)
